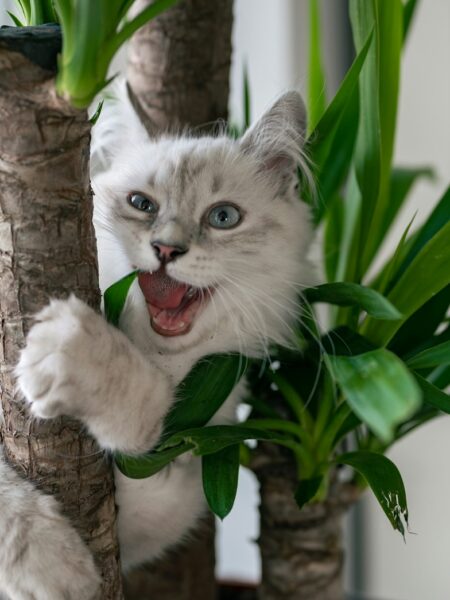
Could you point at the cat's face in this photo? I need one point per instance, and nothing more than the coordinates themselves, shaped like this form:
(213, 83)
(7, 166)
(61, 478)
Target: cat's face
(218, 235)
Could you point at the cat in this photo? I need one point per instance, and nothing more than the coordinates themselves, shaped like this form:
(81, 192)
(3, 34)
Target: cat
(216, 230)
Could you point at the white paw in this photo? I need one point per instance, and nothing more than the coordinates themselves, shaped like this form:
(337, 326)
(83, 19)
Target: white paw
(58, 370)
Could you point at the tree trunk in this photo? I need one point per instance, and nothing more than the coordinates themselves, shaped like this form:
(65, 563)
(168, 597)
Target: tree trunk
(47, 249)
(178, 75)
(178, 64)
(301, 550)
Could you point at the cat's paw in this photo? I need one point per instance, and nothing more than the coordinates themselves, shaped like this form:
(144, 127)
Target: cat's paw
(56, 372)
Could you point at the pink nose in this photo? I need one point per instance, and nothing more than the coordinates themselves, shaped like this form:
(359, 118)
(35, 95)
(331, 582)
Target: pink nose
(167, 253)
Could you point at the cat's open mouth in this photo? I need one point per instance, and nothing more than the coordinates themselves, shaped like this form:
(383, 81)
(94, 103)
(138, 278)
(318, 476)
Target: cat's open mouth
(172, 305)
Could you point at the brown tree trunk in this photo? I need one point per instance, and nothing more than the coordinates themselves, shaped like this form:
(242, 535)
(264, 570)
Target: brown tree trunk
(179, 63)
(301, 550)
(178, 74)
(47, 249)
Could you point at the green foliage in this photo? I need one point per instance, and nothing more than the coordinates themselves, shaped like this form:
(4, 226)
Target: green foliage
(35, 12)
(220, 479)
(382, 367)
(385, 481)
(92, 31)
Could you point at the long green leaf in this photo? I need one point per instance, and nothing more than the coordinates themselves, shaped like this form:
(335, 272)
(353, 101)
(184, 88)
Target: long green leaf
(433, 395)
(204, 390)
(353, 294)
(378, 108)
(330, 171)
(307, 490)
(421, 326)
(439, 217)
(207, 440)
(408, 17)
(385, 481)
(400, 184)
(379, 389)
(427, 275)
(431, 357)
(316, 74)
(220, 473)
(115, 296)
(322, 132)
(146, 465)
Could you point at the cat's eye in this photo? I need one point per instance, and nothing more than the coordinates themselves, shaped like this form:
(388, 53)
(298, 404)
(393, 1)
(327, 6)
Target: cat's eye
(224, 216)
(142, 203)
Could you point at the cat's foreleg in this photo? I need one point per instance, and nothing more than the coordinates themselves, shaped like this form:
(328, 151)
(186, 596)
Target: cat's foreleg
(76, 364)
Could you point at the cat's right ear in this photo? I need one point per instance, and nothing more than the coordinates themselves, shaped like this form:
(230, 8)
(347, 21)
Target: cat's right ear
(277, 139)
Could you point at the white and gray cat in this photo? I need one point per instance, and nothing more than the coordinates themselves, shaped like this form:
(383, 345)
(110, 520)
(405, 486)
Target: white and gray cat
(220, 239)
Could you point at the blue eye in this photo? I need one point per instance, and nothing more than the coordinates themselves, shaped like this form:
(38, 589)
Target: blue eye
(224, 216)
(143, 203)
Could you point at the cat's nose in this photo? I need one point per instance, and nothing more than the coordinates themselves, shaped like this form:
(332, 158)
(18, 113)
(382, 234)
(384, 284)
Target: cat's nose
(167, 253)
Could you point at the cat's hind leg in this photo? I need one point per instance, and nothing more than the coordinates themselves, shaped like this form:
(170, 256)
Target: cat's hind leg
(42, 557)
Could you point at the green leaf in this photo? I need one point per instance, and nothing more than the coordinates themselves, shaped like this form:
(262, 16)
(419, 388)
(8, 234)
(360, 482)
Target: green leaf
(385, 481)
(401, 182)
(353, 294)
(307, 489)
(421, 325)
(433, 395)
(15, 20)
(322, 132)
(409, 10)
(220, 473)
(203, 391)
(435, 222)
(115, 296)
(331, 169)
(431, 357)
(343, 341)
(334, 223)
(93, 120)
(207, 440)
(379, 83)
(427, 275)
(246, 100)
(316, 74)
(146, 465)
(379, 389)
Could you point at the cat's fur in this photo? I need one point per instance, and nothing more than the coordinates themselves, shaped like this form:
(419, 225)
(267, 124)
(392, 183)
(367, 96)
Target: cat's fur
(121, 385)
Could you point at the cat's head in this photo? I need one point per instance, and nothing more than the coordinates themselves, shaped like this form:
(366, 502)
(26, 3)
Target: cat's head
(216, 230)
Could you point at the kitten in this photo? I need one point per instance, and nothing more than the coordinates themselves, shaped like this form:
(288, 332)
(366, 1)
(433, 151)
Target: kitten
(215, 228)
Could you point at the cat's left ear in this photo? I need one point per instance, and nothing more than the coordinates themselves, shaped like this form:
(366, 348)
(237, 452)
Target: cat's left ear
(277, 139)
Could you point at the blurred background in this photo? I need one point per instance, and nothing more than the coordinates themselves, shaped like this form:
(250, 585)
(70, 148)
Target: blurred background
(271, 40)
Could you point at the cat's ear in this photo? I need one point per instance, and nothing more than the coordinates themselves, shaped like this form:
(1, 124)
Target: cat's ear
(277, 139)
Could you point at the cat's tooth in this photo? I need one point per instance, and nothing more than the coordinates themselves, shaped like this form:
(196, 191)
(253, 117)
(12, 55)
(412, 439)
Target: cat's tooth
(180, 325)
(190, 292)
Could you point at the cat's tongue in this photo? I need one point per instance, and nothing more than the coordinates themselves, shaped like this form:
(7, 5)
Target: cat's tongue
(160, 290)
(172, 305)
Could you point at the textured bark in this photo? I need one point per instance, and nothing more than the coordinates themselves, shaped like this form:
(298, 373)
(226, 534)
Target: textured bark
(178, 75)
(178, 64)
(47, 249)
(301, 550)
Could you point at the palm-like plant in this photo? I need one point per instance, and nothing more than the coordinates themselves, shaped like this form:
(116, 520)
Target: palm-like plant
(381, 366)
